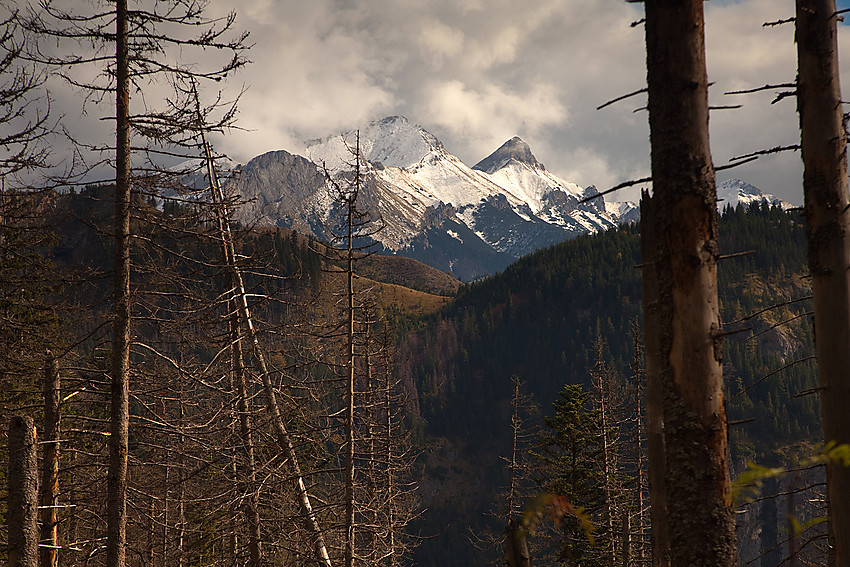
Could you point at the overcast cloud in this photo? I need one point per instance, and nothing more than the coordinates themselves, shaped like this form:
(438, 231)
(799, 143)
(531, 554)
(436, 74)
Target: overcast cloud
(477, 72)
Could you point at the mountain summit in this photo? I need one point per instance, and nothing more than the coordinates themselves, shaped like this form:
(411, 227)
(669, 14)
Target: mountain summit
(469, 222)
(514, 149)
(734, 192)
(392, 142)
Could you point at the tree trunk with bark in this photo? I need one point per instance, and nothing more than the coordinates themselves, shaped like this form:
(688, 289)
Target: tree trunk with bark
(50, 467)
(824, 147)
(516, 547)
(350, 367)
(247, 470)
(23, 493)
(679, 232)
(116, 541)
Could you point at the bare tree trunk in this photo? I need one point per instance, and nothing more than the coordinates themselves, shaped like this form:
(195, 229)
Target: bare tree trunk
(251, 507)
(516, 547)
(654, 407)
(640, 434)
(181, 479)
(116, 541)
(679, 230)
(607, 465)
(151, 550)
(389, 439)
(824, 147)
(794, 535)
(371, 412)
(50, 467)
(350, 362)
(284, 440)
(23, 493)
(166, 529)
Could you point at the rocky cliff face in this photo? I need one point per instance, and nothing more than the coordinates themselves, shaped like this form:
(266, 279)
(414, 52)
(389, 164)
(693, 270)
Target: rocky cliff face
(433, 207)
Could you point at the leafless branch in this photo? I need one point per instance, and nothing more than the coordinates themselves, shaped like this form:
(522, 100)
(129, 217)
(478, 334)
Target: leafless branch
(767, 87)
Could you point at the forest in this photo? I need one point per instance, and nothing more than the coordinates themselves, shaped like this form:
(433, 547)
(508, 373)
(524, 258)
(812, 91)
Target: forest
(182, 389)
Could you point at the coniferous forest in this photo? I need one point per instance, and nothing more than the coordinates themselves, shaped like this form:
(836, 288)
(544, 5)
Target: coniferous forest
(556, 321)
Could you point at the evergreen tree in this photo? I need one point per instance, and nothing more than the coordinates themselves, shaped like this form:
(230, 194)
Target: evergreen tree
(568, 460)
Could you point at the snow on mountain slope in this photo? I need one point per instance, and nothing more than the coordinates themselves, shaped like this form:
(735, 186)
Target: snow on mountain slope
(393, 142)
(515, 169)
(407, 156)
(433, 206)
(734, 191)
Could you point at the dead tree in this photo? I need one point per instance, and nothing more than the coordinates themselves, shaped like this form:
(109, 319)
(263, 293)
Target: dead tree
(692, 511)
(23, 115)
(143, 50)
(827, 202)
(357, 224)
(516, 546)
(240, 301)
(639, 376)
(50, 467)
(119, 430)
(23, 493)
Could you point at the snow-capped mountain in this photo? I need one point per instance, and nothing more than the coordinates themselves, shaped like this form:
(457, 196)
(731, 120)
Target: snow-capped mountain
(467, 221)
(732, 192)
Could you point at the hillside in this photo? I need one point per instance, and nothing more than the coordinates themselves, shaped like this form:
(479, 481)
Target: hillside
(538, 320)
(458, 345)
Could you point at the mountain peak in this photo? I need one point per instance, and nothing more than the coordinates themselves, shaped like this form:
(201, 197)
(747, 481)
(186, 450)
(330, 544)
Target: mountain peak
(514, 149)
(394, 119)
(733, 192)
(392, 141)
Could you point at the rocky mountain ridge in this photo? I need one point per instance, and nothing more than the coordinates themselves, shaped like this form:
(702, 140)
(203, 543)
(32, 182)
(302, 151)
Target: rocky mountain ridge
(467, 221)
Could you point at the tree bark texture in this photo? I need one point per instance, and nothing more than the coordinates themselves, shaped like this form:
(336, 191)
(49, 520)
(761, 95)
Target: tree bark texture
(116, 541)
(679, 231)
(516, 547)
(824, 147)
(23, 493)
(50, 467)
(654, 407)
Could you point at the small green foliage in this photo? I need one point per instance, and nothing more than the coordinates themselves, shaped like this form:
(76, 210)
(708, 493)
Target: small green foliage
(833, 453)
(799, 527)
(747, 486)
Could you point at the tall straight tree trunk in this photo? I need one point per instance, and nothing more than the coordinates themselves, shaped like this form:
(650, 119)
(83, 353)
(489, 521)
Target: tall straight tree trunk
(350, 379)
(248, 469)
(640, 433)
(50, 467)
(654, 406)
(679, 231)
(181, 478)
(22, 516)
(389, 442)
(116, 541)
(824, 148)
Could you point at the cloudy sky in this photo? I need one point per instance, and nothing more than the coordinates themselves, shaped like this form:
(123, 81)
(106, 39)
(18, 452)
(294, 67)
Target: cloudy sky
(477, 72)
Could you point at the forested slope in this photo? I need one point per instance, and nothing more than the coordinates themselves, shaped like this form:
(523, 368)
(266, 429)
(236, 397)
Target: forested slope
(456, 356)
(539, 318)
